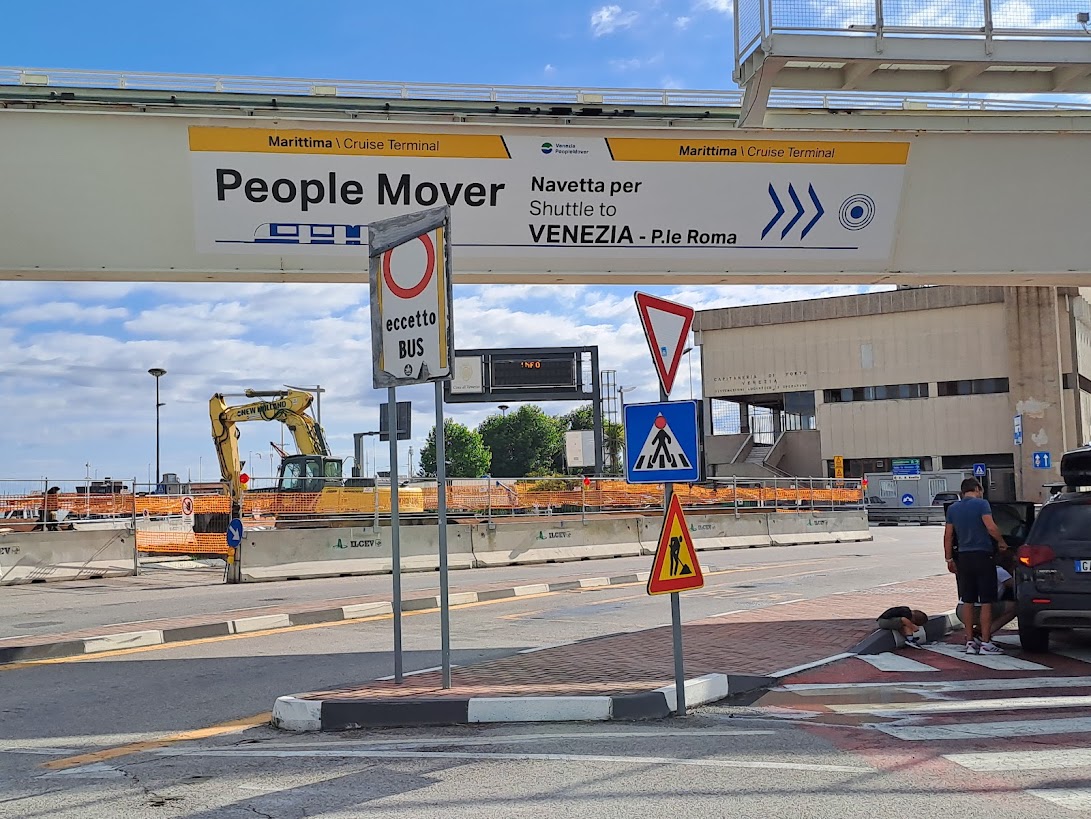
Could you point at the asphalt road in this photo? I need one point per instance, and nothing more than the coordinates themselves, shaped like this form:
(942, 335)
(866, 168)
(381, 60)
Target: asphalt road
(143, 712)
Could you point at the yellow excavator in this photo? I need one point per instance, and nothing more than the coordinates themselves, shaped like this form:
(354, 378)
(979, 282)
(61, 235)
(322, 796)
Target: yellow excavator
(314, 470)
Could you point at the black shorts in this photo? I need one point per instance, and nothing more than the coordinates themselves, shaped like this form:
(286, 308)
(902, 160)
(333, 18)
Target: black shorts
(976, 576)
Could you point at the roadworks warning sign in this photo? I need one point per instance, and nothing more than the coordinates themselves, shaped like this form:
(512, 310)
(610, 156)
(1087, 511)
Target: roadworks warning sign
(675, 568)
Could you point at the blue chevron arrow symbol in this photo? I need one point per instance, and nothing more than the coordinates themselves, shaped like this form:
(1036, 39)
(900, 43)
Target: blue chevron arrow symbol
(817, 216)
(779, 213)
(799, 211)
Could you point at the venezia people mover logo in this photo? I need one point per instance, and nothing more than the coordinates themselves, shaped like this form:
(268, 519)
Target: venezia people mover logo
(547, 147)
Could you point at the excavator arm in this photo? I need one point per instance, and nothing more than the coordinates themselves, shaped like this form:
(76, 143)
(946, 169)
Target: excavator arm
(289, 407)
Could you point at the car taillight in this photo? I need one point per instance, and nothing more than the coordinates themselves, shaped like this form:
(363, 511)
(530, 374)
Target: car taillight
(1035, 555)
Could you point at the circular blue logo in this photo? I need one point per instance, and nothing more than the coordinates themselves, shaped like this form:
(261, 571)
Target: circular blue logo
(547, 147)
(907, 499)
(857, 212)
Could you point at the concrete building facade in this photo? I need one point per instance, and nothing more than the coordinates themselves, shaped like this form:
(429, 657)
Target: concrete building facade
(932, 374)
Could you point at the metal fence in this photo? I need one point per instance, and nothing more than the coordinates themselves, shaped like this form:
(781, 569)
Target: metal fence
(749, 32)
(986, 19)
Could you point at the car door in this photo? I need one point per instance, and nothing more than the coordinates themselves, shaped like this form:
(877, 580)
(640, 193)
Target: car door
(1013, 519)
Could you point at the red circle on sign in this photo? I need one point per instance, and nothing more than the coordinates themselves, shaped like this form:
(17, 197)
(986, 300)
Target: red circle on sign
(418, 288)
(187, 506)
(660, 422)
(244, 478)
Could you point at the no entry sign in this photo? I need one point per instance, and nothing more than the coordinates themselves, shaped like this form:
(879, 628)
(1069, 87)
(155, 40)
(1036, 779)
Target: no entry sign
(411, 293)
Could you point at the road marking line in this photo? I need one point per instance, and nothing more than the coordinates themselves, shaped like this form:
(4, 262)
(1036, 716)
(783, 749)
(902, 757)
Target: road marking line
(1071, 798)
(888, 661)
(988, 730)
(507, 739)
(821, 689)
(954, 706)
(231, 727)
(825, 661)
(997, 662)
(484, 757)
(1042, 760)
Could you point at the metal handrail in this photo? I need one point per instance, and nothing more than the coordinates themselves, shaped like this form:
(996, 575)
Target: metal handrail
(456, 92)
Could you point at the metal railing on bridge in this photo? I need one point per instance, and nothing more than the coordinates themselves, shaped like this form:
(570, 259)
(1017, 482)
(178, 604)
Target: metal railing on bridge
(988, 20)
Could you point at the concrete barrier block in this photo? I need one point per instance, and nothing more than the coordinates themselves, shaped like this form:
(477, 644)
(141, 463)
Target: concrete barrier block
(358, 610)
(244, 625)
(699, 691)
(556, 541)
(35, 557)
(130, 639)
(539, 709)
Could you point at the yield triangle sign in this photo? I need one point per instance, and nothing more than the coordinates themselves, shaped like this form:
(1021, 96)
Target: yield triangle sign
(676, 568)
(661, 449)
(666, 326)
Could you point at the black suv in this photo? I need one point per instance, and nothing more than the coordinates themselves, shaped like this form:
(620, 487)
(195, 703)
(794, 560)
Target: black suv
(1053, 573)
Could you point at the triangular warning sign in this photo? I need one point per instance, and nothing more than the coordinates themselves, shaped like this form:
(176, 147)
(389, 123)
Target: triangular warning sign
(666, 326)
(676, 568)
(661, 449)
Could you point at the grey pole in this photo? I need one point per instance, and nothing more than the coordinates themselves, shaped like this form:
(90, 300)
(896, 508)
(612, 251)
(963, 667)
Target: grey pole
(441, 495)
(395, 543)
(676, 609)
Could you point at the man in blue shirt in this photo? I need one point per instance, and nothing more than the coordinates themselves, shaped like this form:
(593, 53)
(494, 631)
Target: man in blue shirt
(970, 524)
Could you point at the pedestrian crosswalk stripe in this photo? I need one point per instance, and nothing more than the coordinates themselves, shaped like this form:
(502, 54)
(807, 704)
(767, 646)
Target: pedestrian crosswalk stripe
(1071, 798)
(661, 450)
(953, 706)
(1083, 654)
(938, 686)
(1045, 759)
(987, 730)
(997, 662)
(889, 661)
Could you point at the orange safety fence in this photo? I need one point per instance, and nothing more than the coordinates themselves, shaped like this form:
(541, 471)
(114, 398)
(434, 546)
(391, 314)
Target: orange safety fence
(183, 543)
(118, 505)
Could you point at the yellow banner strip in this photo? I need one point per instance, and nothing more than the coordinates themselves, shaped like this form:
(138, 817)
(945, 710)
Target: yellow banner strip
(347, 143)
(765, 151)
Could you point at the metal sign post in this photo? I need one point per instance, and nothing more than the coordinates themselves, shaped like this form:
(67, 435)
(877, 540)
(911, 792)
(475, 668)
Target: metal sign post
(412, 342)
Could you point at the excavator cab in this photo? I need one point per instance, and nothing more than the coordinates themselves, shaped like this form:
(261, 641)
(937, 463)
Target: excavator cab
(309, 473)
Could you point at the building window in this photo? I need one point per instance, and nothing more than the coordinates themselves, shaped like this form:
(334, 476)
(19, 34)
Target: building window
(975, 386)
(887, 392)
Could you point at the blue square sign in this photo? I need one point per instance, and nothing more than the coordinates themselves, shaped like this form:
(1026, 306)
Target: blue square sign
(1043, 460)
(980, 471)
(661, 442)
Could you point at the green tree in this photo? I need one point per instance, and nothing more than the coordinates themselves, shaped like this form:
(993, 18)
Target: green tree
(613, 439)
(467, 455)
(523, 442)
(580, 418)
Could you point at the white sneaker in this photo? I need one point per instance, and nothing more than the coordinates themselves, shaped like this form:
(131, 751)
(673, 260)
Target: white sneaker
(990, 648)
(973, 647)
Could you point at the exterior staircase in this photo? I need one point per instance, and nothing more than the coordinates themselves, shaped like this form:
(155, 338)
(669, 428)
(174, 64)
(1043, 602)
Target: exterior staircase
(758, 453)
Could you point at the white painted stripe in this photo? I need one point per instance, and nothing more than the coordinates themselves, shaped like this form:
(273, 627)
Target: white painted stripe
(989, 730)
(605, 733)
(699, 691)
(997, 662)
(294, 714)
(413, 673)
(538, 709)
(945, 686)
(260, 623)
(130, 639)
(44, 751)
(366, 610)
(954, 706)
(1071, 798)
(534, 588)
(580, 759)
(889, 661)
(1045, 759)
(787, 672)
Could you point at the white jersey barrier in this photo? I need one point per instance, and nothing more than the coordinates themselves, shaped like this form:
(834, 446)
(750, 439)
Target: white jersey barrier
(289, 554)
(301, 553)
(36, 557)
(556, 541)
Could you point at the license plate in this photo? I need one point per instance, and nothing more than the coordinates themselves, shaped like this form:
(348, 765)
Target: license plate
(1083, 565)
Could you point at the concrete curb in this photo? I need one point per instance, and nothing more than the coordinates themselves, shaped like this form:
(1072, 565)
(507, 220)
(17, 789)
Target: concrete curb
(884, 640)
(271, 622)
(295, 713)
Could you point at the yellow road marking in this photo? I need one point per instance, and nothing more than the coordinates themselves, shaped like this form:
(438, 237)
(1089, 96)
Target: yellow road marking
(231, 727)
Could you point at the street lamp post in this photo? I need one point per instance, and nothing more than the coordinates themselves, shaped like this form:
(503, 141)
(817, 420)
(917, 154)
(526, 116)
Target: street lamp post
(157, 373)
(503, 409)
(689, 359)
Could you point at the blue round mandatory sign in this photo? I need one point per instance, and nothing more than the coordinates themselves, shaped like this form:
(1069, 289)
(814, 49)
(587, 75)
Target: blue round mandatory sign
(234, 532)
(907, 499)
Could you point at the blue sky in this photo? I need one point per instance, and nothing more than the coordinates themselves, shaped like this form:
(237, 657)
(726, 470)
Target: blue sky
(75, 356)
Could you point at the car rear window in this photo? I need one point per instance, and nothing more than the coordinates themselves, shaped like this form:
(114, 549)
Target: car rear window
(1063, 523)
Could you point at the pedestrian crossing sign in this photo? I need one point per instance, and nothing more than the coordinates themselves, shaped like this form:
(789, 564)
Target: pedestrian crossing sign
(676, 568)
(661, 442)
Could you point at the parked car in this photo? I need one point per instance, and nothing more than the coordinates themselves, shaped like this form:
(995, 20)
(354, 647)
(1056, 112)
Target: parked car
(944, 498)
(1053, 575)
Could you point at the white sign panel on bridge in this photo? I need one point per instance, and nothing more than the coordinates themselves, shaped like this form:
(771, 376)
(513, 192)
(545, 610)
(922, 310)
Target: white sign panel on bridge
(122, 193)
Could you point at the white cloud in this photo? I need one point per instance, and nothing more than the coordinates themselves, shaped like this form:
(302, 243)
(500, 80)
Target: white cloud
(549, 69)
(631, 64)
(722, 6)
(682, 23)
(609, 19)
(65, 311)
